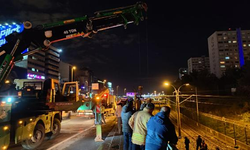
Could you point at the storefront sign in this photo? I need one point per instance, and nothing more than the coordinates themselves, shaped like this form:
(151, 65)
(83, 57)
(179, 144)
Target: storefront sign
(7, 29)
(34, 76)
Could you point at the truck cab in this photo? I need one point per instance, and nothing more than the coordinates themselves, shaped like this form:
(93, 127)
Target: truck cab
(66, 99)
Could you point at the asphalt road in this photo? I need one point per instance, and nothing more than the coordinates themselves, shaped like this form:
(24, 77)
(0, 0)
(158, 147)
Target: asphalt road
(76, 133)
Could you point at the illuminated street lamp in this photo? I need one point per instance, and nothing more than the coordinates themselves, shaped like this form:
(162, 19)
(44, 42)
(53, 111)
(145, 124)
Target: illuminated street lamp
(72, 73)
(177, 95)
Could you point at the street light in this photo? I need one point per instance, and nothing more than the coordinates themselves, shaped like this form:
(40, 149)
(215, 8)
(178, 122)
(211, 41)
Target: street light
(177, 95)
(72, 73)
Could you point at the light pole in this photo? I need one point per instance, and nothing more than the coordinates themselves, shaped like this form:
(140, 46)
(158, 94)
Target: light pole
(177, 95)
(117, 88)
(72, 73)
(104, 83)
(197, 106)
(125, 91)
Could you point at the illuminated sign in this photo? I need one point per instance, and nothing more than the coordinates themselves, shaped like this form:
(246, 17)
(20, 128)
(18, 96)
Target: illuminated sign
(7, 29)
(34, 76)
(95, 86)
(131, 94)
(109, 85)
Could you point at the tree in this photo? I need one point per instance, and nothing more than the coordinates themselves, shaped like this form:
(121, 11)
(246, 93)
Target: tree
(244, 81)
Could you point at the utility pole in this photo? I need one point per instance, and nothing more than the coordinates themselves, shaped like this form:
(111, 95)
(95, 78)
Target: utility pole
(117, 88)
(178, 112)
(197, 106)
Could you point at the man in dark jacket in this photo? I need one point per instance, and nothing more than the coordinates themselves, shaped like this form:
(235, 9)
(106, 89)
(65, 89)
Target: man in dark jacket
(127, 112)
(160, 131)
(144, 104)
(198, 142)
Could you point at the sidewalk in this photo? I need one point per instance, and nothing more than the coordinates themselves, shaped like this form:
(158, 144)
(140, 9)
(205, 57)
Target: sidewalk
(113, 141)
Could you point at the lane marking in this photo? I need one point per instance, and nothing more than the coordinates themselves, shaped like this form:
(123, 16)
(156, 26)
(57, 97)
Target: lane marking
(54, 146)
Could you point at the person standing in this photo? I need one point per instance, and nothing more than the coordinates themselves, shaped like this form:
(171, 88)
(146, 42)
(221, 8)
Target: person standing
(144, 104)
(187, 141)
(203, 145)
(102, 113)
(138, 123)
(198, 142)
(127, 112)
(118, 115)
(160, 131)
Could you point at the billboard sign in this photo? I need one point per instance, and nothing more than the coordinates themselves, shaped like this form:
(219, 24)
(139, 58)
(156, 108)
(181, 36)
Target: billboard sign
(7, 29)
(131, 94)
(95, 86)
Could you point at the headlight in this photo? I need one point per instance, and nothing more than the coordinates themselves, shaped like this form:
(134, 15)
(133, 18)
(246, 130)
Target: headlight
(5, 128)
(9, 99)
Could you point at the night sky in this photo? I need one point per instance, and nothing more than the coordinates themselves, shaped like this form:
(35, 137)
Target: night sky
(146, 54)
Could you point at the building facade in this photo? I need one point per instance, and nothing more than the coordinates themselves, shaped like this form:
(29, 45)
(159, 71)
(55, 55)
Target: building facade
(228, 49)
(85, 76)
(198, 64)
(35, 65)
(41, 65)
(52, 60)
(64, 72)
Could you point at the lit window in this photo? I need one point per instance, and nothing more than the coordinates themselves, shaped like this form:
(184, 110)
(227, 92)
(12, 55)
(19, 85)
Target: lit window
(224, 37)
(229, 42)
(227, 57)
(222, 66)
(236, 66)
(25, 57)
(236, 57)
(249, 45)
(199, 62)
(234, 41)
(222, 62)
(244, 45)
(33, 69)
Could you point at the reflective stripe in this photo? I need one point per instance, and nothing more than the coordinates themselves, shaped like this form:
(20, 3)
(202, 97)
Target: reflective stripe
(138, 137)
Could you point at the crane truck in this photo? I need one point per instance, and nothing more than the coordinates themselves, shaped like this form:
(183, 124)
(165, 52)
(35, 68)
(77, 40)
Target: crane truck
(27, 118)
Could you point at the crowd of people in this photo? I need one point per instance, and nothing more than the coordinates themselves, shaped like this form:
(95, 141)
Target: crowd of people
(200, 143)
(143, 131)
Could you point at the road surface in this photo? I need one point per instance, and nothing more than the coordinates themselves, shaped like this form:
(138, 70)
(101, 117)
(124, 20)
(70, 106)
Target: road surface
(77, 133)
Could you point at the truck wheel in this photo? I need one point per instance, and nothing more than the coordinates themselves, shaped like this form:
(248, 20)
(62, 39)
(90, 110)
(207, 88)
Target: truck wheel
(56, 128)
(36, 139)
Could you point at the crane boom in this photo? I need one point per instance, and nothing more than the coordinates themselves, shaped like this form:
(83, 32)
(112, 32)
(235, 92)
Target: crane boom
(42, 36)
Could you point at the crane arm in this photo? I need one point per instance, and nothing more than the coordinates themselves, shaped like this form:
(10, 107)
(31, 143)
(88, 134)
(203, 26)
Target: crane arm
(42, 36)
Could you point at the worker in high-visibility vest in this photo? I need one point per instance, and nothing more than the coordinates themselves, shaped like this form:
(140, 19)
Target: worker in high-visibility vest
(102, 113)
(138, 123)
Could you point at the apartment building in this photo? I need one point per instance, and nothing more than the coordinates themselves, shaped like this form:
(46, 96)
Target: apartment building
(198, 64)
(228, 49)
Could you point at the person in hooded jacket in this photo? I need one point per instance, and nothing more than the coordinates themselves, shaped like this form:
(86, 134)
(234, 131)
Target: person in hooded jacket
(160, 131)
(144, 104)
(127, 112)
